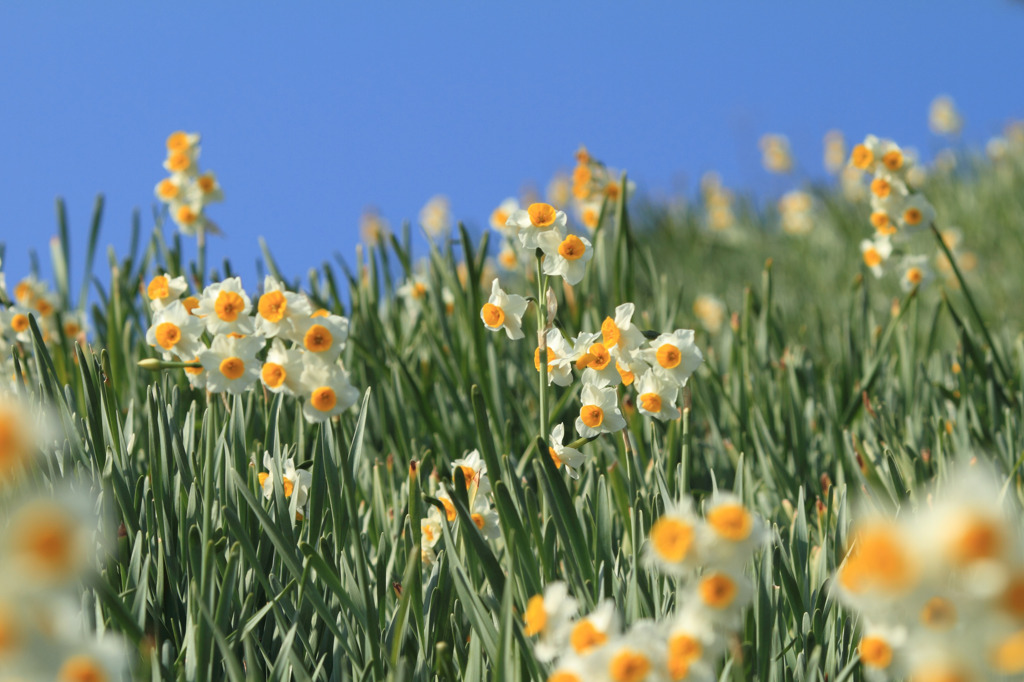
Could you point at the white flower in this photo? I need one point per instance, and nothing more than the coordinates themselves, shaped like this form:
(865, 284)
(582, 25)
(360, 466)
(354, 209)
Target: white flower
(282, 370)
(485, 518)
(598, 365)
(176, 331)
(733, 532)
(595, 629)
(206, 189)
(430, 534)
(674, 355)
(559, 354)
(224, 308)
(324, 337)
(504, 311)
(163, 290)
(327, 390)
(549, 616)
(293, 481)
(536, 219)
(943, 118)
(693, 646)
(599, 413)
(566, 258)
(562, 454)
(875, 252)
(914, 272)
(231, 363)
(15, 325)
(619, 333)
(474, 471)
(673, 542)
(916, 213)
(278, 310)
(710, 310)
(656, 396)
(500, 216)
(435, 216)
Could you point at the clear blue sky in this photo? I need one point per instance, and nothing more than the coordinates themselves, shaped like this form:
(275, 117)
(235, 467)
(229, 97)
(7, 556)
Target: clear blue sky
(311, 112)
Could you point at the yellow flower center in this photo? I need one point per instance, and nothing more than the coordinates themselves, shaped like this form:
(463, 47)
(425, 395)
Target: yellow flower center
(177, 141)
(317, 339)
(718, 590)
(1008, 657)
(207, 183)
(499, 217)
(872, 258)
(190, 303)
(912, 216)
(893, 160)
(915, 275)
(572, 248)
(232, 367)
(272, 306)
(194, 370)
(23, 291)
(975, 539)
(494, 316)
(1012, 599)
(81, 668)
(536, 358)
(228, 305)
(158, 288)
(625, 374)
(731, 521)
(564, 676)
(589, 218)
(585, 636)
(592, 415)
(542, 215)
(610, 332)
(651, 402)
(875, 652)
(178, 162)
(878, 558)
(323, 398)
(683, 651)
(612, 190)
(47, 541)
(167, 189)
(322, 312)
(669, 356)
(19, 322)
(938, 614)
(273, 374)
(861, 157)
(449, 509)
(629, 665)
(535, 617)
(881, 188)
(468, 474)
(167, 335)
(601, 356)
(13, 448)
(44, 307)
(478, 520)
(555, 458)
(672, 538)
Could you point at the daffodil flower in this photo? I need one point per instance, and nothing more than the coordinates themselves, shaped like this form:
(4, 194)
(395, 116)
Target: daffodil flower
(674, 355)
(327, 390)
(323, 336)
(548, 617)
(656, 396)
(875, 252)
(163, 290)
(564, 455)
(504, 311)
(224, 308)
(599, 413)
(565, 257)
(231, 363)
(282, 370)
(915, 272)
(278, 310)
(500, 215)
(538, 218)
(175, 331)
(293, 481)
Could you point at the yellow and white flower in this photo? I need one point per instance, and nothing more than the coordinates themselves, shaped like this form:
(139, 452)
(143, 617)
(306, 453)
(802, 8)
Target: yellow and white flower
(598, 365)
(293, 481)
(231, 363)
(673, 541)
(500, 215)
(560, 358)
(656, 396)
(282, 370)
(835, 151)
(15, 325)
(485, 517)
(206, 190)
(710, 310)
(915, 213)
(599, 413)
(619, 334)
(327, 390)
(504, 311)
(163, 290)
(875, 253)
(692, 646)
(564, 455)
(474, 471)
(549, 617)
(50, 541)
(536, 219)
(594, 630)
(175, 331)
(775, 154)
(915, 272)
(733, 532)
(943, 118)
(224, 308)
(566, 258)
(674, 355)
(323, 336)
(435, 216)
(278, 310)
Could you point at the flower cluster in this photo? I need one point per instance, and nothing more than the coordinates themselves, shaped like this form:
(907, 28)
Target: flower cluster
(776, 156)
(34, 297)
(940, 591)
(708, 556)
(481, 511)
(187, 191)
(47, 545)
(896, 211)
(595, 188)
(305, 345)
(718, 203)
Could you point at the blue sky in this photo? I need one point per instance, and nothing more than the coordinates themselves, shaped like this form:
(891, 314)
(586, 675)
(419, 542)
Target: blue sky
(311, 113)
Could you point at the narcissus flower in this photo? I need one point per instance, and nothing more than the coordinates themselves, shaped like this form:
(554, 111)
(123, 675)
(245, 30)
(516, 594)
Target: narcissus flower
(50, 541)
(435, 216)
(15, 325)
(278, 310)
(875, 252)
(943, 118)
(656, 396)
(559, 355)
(224, 308)
(175, 331)
(282, 370)
(915, 213)
(500, 215)
(293, 481)
(504, 311)
(735, 532)
(163, 290)
(19, 437)
(327, 390)
(536, 219)
(710, 310)
(564, 455)
(835, 151)
(231, 363)
(776, 157)
(914, 272)
(672, 544)
(618, 333)
(323, 336)
(595, 629)
(565, 257)
(599, 413)
(548, 616)
(674, 355)
(474, 471)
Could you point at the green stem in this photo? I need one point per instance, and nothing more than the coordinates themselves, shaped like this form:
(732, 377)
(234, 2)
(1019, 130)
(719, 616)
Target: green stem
(542, 345)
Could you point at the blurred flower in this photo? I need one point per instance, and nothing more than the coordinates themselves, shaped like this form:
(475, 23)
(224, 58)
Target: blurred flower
(500, 215)
(373, 228)
(293, 481)
(943, 118)
(548, 616)
(775, 153)
(835, 151)
(435, 216)
(710, 310)
(796, 211)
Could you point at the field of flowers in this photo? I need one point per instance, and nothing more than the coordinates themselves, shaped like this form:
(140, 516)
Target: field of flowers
(607, 439)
